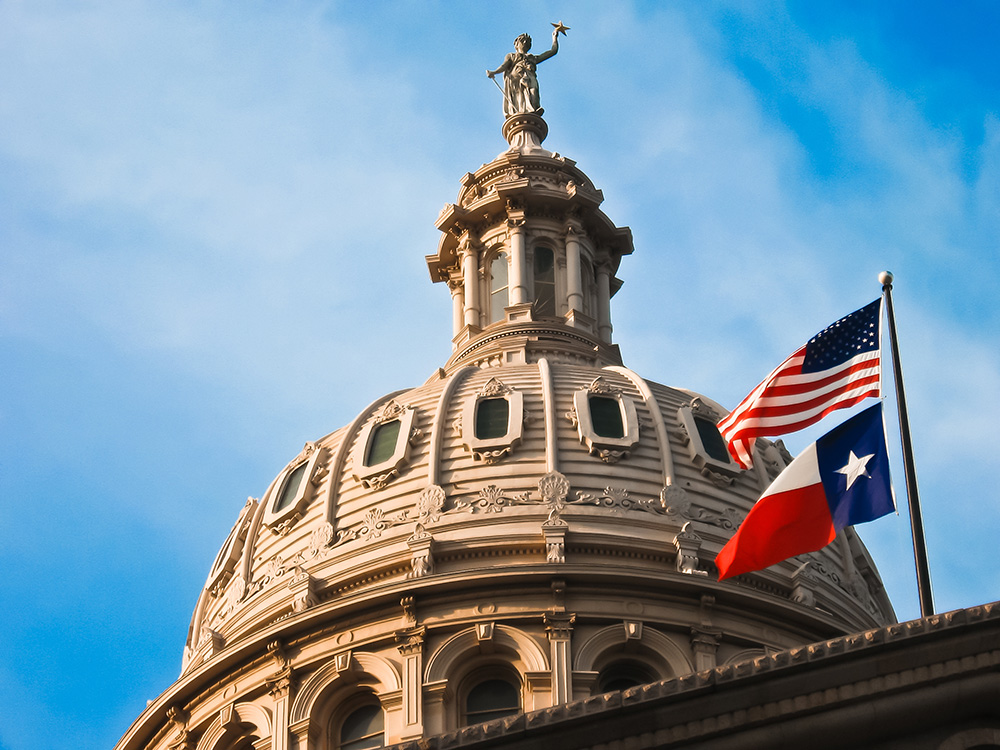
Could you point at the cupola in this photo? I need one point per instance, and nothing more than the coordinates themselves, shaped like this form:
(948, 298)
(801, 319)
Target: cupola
(529, 257)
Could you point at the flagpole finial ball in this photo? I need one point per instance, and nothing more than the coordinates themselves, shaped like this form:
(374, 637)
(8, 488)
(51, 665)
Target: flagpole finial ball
(885, 278)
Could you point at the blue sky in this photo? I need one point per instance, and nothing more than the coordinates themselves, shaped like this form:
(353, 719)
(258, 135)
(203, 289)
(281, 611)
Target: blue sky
(213, 223)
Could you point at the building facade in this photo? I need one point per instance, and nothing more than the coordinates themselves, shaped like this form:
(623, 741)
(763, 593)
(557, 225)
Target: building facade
(518, 553)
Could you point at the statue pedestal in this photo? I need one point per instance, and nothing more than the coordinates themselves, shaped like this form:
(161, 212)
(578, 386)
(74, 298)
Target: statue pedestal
(525, 132)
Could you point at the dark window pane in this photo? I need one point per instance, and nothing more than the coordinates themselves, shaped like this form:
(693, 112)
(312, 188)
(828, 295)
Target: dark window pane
(606, 417)
(490, 700)
(714, 445)
(545, 282)
(291, 488)
(492, 415)
(365, 728)
(623, 675)
(382, 443)
(498, 288)
(619, 683)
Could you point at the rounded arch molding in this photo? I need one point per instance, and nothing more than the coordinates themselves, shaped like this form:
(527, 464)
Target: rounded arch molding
(443, 661)
(236, 721)
(615, 636)
(972, 739)
(328, 677)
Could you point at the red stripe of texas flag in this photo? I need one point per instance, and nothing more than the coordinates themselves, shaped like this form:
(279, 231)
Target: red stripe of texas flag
(791, 518)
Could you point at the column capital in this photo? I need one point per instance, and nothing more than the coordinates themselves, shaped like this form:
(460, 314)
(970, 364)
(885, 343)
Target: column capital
(279, 685)
(558, 625)
(410, 640)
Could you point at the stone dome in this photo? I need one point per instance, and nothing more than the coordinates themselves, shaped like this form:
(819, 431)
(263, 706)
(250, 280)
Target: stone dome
(535, 514)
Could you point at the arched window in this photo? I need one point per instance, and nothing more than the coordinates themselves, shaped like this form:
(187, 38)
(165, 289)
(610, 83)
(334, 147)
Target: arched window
(545, 282)
(498, 288)
(621, 675)
(363, 728)
(491, 699)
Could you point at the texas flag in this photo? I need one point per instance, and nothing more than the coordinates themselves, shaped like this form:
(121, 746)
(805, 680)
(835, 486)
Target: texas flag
(840, 480)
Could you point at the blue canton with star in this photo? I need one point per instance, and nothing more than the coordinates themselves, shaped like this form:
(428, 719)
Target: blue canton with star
(848, 337)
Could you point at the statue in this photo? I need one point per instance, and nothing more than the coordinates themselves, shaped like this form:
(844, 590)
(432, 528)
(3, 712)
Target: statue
(520, 84)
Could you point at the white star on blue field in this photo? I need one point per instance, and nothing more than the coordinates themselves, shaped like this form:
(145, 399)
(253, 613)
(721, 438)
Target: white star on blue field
(213, 223)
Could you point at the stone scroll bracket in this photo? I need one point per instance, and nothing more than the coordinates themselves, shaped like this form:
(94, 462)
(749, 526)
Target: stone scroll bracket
(688, 544)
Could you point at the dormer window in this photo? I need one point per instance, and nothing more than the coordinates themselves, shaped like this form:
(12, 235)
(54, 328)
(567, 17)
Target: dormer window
(290, 488)
(606, 416)
(293, 489)
(606, 420)
(225, 561)
(383, 445)
(492, 421)
(492, 418)
(705, 443)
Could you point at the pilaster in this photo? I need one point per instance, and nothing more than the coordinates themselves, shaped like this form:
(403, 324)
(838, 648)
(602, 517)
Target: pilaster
(410, 643)
(559, 627)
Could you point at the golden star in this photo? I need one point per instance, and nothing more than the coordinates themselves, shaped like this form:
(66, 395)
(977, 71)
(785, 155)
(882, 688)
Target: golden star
(561, 28)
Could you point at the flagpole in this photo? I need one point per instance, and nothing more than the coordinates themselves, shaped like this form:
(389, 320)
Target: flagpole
(913, 501)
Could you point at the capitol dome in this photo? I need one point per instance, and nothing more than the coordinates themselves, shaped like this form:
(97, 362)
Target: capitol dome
(534, 525)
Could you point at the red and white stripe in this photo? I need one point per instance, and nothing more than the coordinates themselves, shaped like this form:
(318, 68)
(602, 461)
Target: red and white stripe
(789, 400)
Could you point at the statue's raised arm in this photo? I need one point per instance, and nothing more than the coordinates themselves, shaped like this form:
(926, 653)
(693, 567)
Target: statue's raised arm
(520, 81)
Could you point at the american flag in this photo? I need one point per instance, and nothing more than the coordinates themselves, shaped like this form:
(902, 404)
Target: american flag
(837, 368)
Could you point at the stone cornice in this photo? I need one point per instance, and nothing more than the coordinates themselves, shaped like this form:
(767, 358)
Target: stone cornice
(822, 677)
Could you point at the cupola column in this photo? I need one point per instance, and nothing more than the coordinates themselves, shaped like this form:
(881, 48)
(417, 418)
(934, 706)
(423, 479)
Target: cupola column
(470, 274)
(574, 289)
(457, 289)
(604, 302)
(518, 262)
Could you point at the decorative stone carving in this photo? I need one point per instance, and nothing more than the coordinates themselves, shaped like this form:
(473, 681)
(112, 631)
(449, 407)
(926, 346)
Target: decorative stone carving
(410, 640)
(375, 522)
(409, 605)
(179, 718)
(676, 504)
(276, 650)
(803, 583)
(616, 499)
(554, 532)
(210, 641)
(558, 625)
(687, 544)
(430, 505)
(421, 546)
(235, 592)
(554, 487)
(279, 686)
(492, 499)
(320, 538)
(303, 587)
(494, 387)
